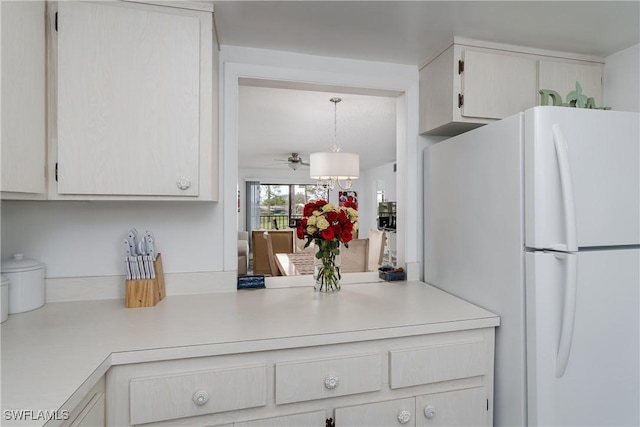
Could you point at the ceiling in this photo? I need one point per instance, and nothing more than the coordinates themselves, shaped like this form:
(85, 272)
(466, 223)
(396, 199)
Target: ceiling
(276, 121)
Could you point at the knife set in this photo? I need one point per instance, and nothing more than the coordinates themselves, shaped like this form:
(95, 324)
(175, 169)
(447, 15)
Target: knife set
(143, 266)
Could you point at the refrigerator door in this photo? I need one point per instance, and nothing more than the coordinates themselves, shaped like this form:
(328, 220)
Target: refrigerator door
(582, 178)
(600, 383)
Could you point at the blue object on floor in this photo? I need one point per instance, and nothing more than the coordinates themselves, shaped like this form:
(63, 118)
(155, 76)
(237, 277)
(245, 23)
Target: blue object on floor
(251, 282)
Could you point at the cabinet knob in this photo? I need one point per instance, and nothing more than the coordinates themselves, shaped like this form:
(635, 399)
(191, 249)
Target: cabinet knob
(200, 397)
(429, 411)
(331, 382)
(183, 183)
(404, 416)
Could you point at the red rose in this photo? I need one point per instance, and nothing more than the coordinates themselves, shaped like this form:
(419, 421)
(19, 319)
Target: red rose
(342, 217)
(308, 209)
(300, 232)
(332, 216)
(348, 226)
(328, 233)
(337, 229)
(303, 223)
(346, 236)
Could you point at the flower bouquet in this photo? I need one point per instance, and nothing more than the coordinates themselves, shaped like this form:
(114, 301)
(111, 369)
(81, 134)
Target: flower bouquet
(327, 226)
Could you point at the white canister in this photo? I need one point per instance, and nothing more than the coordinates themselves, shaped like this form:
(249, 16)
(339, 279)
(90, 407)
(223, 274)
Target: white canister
(26, 283)
(4, 298)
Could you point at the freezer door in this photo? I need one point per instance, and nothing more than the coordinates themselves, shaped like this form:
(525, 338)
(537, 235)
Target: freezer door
(582, 178)
(594, 323)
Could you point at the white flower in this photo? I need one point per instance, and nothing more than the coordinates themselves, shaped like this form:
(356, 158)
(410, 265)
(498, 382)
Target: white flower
(328, 207)
(322, 223)
(352, 213)
(312, 220)
(311, 229)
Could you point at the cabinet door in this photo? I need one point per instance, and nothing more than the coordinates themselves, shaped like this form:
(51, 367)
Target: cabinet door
(562, 77)
(316, 418)
(23, 97)
(128, 100)
(496, 85)
(454, 408)
(398, 412)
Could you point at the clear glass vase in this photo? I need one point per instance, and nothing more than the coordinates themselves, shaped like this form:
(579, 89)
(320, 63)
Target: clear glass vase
(326, 265)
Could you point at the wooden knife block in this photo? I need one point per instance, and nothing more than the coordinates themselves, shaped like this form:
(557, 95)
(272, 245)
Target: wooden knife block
(146, 292)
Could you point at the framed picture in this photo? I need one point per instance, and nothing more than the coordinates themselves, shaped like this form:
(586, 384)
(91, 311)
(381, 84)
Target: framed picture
(344, 196)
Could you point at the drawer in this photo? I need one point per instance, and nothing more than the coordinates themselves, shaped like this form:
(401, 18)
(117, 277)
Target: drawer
(330, 377)
(197, 393)
(425, 365)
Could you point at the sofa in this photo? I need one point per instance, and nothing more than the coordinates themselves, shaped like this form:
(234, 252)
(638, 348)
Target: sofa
(243, 253)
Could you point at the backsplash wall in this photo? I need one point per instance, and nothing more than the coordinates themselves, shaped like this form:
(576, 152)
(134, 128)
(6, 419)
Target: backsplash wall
(76, 239)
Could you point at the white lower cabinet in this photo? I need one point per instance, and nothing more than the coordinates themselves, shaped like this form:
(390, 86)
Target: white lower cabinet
(90, 412)
(382, 414)
(317, 418)
(454, 408)
(435, 379)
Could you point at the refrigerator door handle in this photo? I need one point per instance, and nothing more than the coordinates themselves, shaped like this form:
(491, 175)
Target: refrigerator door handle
(568, 312)
(566, 184)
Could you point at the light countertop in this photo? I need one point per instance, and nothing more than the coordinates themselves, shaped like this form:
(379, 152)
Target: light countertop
(52, 356)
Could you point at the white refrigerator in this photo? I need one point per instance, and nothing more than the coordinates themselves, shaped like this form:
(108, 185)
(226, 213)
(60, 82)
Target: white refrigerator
(537, 218)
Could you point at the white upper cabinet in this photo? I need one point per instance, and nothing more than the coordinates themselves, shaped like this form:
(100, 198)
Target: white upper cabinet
(23, 99)
(473, 83)
(495, 86)
(563, 76)
(135, 102)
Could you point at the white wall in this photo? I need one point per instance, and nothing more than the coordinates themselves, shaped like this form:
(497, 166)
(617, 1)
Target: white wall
(622, 80)
(76, 239)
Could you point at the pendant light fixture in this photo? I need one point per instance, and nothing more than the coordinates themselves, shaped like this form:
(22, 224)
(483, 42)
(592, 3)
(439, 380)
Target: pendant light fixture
(333, 167)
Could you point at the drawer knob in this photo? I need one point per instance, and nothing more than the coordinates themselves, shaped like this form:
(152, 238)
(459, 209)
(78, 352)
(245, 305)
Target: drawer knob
(183, 183)
(429, 411)
(331, 382)
(200, 397)
(404, 416)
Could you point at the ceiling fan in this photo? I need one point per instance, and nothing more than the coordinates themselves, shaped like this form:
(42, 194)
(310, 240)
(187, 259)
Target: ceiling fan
(294, 161)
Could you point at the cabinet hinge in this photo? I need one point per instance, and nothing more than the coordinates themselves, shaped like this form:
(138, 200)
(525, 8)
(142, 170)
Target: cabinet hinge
(56, 171)
(460, 100)
(56, 23)
(460, 66)
(330, 423)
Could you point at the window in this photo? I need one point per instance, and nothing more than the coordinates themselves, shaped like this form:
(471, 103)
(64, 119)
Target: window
(281, 205)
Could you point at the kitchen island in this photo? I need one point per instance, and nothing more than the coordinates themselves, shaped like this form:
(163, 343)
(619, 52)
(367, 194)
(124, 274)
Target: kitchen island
(52, 358)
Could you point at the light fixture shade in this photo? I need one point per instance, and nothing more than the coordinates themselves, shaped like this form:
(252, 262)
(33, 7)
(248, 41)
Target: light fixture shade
(294, 165)
(326, 165)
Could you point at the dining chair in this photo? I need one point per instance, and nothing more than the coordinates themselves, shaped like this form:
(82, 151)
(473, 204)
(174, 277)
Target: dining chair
(354, 258)
(282, 243)
(275, 271)
(376, 249)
